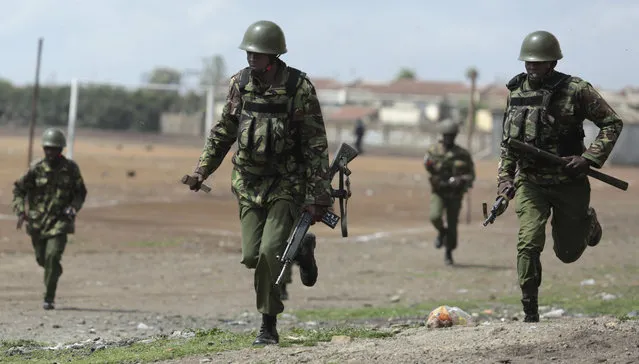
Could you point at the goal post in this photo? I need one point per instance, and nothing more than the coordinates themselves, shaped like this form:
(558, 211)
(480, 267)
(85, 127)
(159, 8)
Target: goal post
(75, 94)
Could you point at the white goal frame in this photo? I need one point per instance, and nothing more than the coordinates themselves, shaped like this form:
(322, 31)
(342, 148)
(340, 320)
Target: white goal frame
(73, 104)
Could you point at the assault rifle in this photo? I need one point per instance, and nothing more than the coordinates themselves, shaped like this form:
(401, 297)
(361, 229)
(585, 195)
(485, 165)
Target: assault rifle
(526, 148)
(345, 153)
(502, 199)
(539, 153)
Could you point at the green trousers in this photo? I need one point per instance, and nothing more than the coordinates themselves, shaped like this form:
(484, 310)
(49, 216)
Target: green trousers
(452, 207)
(48, 254)
(570, 222)
(264, 234)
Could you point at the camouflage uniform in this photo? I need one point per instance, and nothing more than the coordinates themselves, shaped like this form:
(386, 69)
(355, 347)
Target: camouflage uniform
(50, 190)
(281, 165)
(452, 173)
(550, 114)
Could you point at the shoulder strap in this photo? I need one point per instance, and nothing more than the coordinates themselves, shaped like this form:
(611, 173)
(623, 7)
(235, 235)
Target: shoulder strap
(292, 84)
(516, 81)
(244, 79)
(294, 77)
(556, 80)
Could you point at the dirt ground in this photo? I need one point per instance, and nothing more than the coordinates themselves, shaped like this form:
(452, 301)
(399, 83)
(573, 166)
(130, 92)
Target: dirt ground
(149, 256)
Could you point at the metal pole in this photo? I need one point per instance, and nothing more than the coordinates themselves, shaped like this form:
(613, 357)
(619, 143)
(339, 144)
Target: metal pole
(34, 104)
(73, 111)
(210, 110)
(471, 130)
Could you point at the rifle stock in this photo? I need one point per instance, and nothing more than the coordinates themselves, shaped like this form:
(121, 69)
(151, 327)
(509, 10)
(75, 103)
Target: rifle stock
(605, 178)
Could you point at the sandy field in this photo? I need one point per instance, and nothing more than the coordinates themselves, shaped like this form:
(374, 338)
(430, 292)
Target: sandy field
(149, 251)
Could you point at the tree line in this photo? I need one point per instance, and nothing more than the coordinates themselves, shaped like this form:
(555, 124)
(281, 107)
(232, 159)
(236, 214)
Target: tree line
(108, 106)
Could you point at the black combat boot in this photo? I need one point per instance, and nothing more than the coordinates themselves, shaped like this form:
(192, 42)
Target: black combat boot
(306, 261)
(595, 228)
(268, 331)
(283, 292)
(531, 309)
(448, 258)
(440, 239)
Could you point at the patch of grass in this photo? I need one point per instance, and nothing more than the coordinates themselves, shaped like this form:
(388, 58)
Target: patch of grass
(574, 300)
(27, 344)
(395, 311)
(588, 300)
(312, 337)
(627, 318)
(164, 348)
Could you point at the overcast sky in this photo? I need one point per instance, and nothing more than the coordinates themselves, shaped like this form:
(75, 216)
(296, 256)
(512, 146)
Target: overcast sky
(118, 40)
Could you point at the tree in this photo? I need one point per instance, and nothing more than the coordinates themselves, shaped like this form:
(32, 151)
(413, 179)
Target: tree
(471, 74)
(213, 71)
(164, 76)
(406, 74)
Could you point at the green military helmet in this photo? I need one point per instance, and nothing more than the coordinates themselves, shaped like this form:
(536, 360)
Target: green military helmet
(53, 137)
(448, 127)
(264, 37)
(540, 46)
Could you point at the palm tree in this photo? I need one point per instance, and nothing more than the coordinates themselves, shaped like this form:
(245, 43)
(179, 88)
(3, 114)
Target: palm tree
(471, 74)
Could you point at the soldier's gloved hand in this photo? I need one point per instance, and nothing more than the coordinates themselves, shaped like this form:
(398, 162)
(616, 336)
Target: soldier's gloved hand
(196, 180)
(21, 219)
(316, 211)
(506, 188)
(455, 182)
(429, 165)
(502, 207)
(577, 165)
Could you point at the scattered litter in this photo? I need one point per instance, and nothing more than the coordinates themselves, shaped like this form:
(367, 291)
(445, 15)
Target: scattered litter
(446, 316)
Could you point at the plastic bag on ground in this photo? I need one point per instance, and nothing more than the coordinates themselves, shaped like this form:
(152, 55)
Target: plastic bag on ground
(447, 316)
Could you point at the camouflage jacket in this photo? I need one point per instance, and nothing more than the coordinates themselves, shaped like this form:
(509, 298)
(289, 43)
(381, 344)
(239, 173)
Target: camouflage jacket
(282, 146)
(551, 118)
(442, 164)
(49, 192)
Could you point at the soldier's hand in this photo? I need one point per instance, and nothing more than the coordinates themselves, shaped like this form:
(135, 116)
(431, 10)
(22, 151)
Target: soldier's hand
(577, 165)
(502, 207)
(455, 182)
(506, 188)
(195, 181)
(21, 219)
(316, 211)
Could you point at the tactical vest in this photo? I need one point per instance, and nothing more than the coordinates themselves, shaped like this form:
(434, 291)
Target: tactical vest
(266, 125)
(527, 117)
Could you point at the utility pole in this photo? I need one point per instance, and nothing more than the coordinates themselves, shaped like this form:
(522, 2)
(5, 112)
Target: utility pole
(472, 75)
(34, 104)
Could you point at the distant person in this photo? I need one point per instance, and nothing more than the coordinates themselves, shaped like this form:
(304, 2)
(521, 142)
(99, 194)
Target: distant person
(280, 167)
(547, 108)
(54, 190)
(452, 173)
(360, 130)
